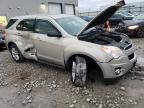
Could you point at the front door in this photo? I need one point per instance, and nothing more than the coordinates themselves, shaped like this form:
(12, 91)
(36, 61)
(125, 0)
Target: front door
(49, 48)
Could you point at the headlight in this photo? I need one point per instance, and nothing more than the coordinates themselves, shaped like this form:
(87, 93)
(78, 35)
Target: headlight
(133, 27)
(113, 51)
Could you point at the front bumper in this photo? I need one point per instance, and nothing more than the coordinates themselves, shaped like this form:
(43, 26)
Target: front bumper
(123, 63)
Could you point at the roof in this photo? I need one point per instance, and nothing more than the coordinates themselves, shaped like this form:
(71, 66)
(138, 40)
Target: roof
(41, 16)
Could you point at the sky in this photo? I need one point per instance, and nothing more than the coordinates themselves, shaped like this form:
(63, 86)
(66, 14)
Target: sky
(85, 5)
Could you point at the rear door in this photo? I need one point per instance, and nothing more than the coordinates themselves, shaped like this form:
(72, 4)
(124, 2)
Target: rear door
(24, 33)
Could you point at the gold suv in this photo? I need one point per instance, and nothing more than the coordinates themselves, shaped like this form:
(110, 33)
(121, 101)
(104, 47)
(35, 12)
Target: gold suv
(69, 41)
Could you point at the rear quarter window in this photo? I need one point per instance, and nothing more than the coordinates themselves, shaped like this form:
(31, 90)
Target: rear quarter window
(11, 22)
(26, 25)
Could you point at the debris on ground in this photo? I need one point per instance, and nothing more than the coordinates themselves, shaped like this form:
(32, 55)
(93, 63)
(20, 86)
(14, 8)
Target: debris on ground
(36, 85)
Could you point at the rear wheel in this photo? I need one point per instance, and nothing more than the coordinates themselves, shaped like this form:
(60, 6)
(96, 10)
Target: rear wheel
(79, 71)
(15, 53)
(140, 32)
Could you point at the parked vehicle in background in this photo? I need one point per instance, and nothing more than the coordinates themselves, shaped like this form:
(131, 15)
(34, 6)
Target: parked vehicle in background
(3, 23)
(71, 42)
(2, 40)
(114, 20)
(87, 18)
(119, 17)
(133, 27)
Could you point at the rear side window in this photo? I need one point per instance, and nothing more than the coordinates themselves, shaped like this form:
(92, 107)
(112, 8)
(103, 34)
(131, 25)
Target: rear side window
(11, 22)
(26, 25)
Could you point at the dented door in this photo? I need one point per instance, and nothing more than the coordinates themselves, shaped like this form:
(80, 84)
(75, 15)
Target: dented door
(24, 32)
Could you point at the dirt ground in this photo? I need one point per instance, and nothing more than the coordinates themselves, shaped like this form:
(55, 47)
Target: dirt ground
(35, 85)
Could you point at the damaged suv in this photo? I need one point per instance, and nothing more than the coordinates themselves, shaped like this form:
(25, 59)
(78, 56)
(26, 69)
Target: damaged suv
(68, 41)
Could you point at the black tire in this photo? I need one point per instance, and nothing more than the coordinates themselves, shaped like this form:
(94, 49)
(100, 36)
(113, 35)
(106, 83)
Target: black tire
(79, 71)
(16, 54)
(140, 32)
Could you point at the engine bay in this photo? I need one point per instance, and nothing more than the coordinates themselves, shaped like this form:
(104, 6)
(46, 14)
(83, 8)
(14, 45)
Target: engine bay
(102, 37)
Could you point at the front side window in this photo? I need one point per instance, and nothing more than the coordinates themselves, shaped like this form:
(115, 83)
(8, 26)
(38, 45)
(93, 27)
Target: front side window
(26, 25)
(43, 27)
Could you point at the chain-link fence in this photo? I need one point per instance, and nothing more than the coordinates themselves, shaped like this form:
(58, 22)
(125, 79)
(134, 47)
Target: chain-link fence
(136, 10)
(89, 13)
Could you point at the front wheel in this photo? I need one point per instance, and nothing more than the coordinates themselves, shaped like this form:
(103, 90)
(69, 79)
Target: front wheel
(79, 71)
(15, 53)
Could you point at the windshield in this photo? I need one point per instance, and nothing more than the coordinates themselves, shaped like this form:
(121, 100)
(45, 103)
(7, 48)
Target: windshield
(72, 25)
(140, 17)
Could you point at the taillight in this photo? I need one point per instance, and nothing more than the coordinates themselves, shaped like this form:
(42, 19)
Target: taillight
(4, 34)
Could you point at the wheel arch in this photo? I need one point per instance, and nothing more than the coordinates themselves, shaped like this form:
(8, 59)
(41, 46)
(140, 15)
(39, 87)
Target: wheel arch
(88, 59)
(10, 43)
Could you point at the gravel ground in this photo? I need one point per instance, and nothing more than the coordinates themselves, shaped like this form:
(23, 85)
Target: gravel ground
(139, 47)
(35, 85)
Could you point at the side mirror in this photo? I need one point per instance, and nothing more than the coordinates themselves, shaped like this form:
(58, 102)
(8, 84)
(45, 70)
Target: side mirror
(18, 27)
(54, 34)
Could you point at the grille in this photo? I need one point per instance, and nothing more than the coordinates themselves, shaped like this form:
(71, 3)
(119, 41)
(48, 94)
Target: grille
(128, 47)
(131, 56)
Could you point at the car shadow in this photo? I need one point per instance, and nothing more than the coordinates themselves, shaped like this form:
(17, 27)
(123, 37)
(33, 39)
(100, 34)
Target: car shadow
(62, 72)
(2, 49)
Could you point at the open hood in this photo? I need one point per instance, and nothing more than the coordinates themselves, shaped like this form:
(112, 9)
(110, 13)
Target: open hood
(102, 17)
